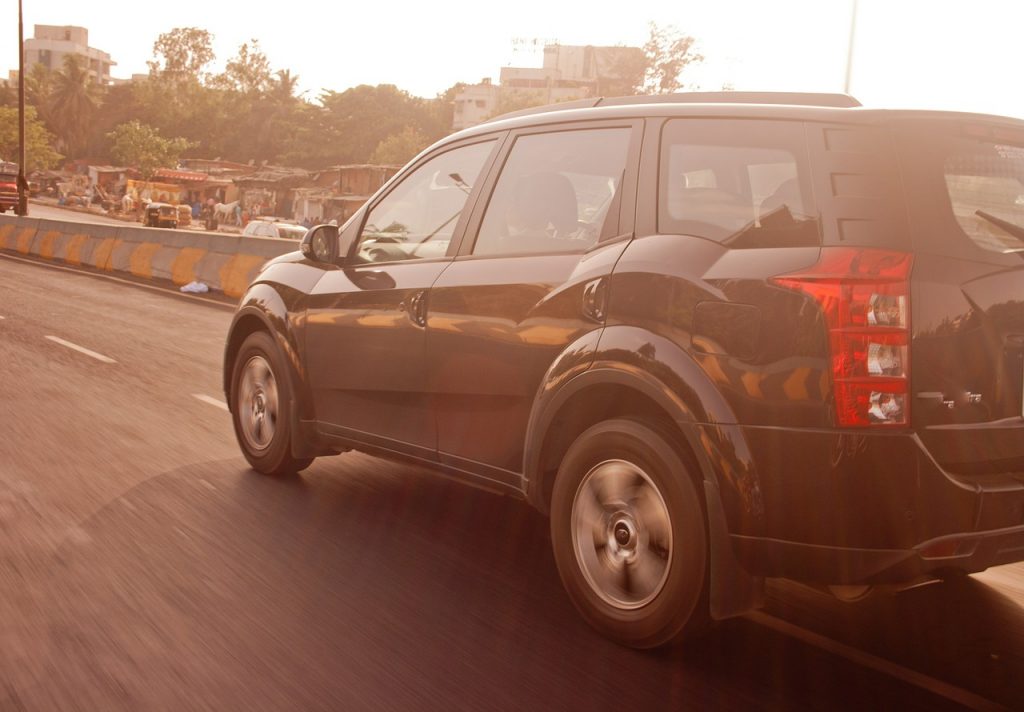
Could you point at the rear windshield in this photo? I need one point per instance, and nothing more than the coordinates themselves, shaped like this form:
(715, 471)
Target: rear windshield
(966, 188)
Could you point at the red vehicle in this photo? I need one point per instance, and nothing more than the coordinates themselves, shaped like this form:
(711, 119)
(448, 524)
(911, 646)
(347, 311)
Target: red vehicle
(8, 187)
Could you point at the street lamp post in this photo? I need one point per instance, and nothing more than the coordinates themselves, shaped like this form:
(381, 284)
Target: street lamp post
(849, 54)
(22, 181)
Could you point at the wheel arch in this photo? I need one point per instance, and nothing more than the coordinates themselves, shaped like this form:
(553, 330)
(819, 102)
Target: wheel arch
(264, 309)
(670, 392)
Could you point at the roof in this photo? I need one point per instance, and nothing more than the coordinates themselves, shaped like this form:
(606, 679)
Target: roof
(275, 175)
(181, 175)
(696, 97)
(672, 106)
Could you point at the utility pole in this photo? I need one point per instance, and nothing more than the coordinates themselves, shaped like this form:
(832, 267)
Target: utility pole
(849, 55)
(22, 181)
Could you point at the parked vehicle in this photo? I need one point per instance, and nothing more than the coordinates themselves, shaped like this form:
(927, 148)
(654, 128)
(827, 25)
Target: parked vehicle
(160, 215)
(717, 338)
(274, 228)
(8, 187)
(184, 215)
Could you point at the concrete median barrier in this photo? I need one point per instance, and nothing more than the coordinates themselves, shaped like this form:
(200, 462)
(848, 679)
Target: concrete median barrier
(225, 263)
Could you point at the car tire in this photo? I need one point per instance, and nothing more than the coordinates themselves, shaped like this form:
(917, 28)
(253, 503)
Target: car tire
(261, 398)
(629, 535)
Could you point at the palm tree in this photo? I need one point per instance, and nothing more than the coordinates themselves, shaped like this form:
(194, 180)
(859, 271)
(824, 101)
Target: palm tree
(283, 89)
(279, 105)
(38, 85)
(73, 102)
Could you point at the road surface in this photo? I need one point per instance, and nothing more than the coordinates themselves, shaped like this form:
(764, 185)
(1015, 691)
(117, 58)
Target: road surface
(144, 566)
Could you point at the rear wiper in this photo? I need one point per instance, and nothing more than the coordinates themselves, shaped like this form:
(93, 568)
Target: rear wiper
(1015, 230)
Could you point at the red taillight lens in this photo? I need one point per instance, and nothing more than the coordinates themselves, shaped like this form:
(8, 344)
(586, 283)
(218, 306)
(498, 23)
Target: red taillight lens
(865, 297)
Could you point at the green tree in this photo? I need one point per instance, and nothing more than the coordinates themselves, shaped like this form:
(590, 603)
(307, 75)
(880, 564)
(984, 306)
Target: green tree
(39, 151)
(667, 52)
(182, 54)
(517, 100)
(248, 72)
(38, 86)
(72, 104)
(398, 148)
(358, 119)
(136, 144)
(276, 116)
(442, 112)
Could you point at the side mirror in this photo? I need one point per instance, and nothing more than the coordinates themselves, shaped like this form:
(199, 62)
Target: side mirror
(321, 244)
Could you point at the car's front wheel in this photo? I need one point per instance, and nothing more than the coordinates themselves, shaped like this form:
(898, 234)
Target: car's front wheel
(261, 395)
(628, 532)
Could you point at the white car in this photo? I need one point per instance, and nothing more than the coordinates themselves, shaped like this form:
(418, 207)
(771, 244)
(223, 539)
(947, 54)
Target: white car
(266, 228)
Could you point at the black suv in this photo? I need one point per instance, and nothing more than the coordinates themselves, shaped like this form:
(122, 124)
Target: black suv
(717, 337)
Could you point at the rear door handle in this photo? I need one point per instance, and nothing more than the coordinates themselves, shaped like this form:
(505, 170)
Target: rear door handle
(418, 308)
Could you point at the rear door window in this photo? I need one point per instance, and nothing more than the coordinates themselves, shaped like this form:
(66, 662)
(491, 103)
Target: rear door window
(745, 184)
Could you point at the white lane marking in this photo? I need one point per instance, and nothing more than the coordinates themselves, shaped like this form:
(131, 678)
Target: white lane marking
(872, 662)
(80, 349)
(211, 401)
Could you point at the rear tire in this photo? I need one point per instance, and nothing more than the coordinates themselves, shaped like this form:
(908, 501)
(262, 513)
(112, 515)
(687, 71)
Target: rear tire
(261, 400)
(629, 535)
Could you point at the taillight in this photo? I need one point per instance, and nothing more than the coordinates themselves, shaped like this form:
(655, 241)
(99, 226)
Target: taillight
(865, 297)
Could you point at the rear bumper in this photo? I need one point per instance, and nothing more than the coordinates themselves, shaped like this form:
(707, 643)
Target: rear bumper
(968, 552)
(846, 508)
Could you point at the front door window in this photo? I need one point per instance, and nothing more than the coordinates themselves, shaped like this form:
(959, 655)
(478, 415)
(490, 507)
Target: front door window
(417, 219)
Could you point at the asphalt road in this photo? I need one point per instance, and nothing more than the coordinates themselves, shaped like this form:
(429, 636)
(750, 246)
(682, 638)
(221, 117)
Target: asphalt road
(143, 566)
(52, 212)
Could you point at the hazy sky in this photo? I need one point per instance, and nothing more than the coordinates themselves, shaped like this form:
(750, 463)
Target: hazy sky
(959, 54)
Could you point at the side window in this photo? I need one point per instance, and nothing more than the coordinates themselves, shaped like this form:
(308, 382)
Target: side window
(745, 184)
(416, 220)
(556, 193)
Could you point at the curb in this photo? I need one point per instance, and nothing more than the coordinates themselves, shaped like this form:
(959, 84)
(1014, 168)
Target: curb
(225, 263)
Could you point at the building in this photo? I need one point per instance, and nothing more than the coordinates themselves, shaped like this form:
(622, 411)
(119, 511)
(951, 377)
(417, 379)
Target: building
(474, 104)
(51, 43)
(568, 72)
(336, 193)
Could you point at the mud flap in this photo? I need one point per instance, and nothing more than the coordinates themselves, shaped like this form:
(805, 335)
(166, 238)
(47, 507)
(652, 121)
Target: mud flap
(732, 591)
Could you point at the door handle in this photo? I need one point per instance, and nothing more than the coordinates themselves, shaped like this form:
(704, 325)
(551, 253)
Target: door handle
(418, 308)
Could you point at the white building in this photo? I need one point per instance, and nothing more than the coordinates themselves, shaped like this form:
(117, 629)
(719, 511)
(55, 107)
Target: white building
(52, 43)
(474, 104)
(569, 72)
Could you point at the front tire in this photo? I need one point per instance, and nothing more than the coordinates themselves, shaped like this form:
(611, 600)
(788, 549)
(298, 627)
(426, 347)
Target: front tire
(261, 397)
(629, 536)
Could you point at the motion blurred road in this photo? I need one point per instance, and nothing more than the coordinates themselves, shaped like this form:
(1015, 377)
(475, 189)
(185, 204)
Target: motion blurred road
(144, 566)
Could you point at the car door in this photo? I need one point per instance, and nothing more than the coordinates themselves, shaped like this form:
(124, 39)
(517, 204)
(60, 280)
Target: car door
(526, 284)
(366, 348)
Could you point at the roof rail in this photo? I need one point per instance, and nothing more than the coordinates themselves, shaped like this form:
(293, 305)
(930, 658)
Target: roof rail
(561, 106)
(844, 101)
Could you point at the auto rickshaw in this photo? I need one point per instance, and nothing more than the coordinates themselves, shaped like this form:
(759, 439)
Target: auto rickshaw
(160, 215)
(184, 215)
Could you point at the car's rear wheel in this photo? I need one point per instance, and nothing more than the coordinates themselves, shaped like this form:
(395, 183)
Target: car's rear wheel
(629, 537)
(261, 396)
